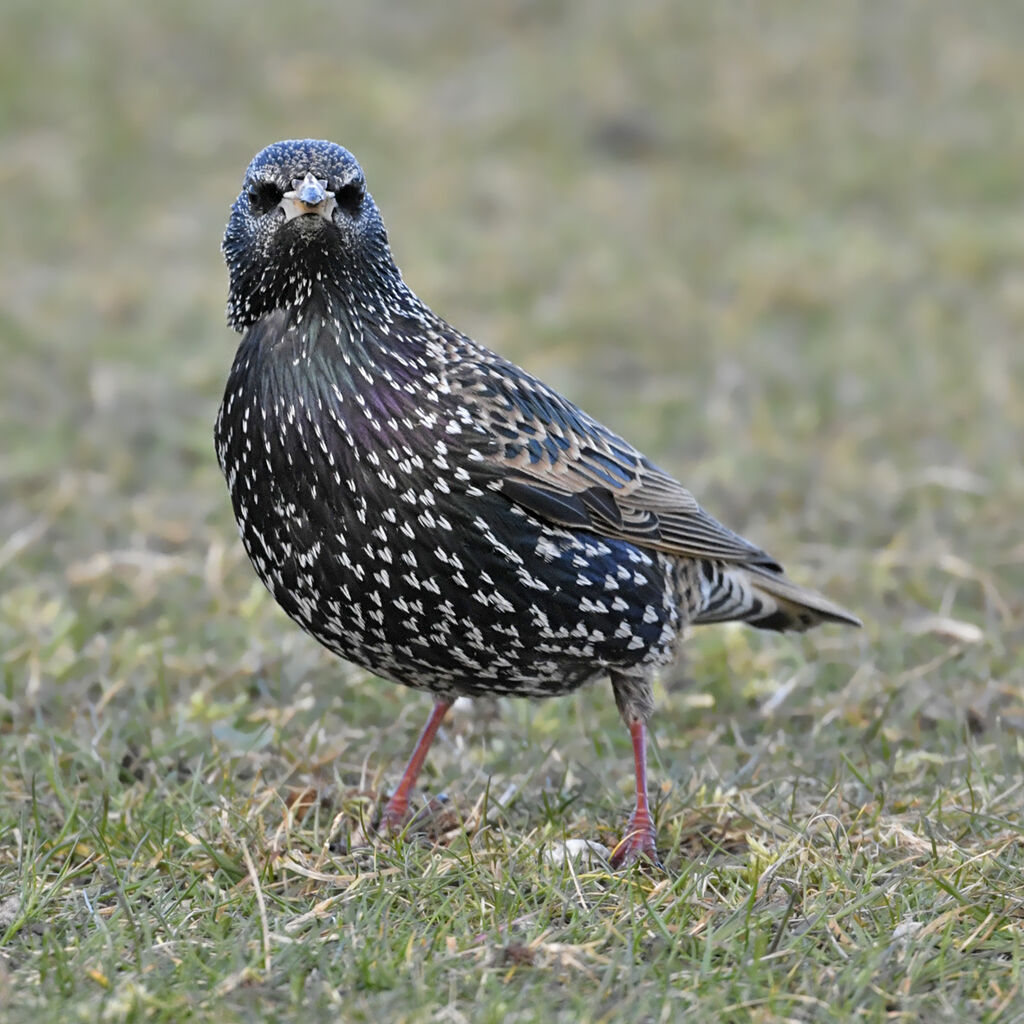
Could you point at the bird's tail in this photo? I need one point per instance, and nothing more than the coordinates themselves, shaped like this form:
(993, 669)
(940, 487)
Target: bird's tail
(764, 598)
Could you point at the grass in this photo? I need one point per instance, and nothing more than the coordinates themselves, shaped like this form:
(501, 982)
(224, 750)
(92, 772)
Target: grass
(779, 248)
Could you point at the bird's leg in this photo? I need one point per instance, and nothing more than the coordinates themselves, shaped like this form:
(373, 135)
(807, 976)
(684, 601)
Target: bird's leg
(640, 839)
(396, 809)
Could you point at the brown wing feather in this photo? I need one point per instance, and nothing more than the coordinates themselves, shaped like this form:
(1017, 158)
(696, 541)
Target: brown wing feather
(553, 459)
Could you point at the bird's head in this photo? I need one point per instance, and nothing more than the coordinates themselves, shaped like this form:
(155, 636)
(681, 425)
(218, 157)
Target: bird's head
(302, 221)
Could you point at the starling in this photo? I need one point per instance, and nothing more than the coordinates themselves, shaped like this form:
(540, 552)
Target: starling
(433, 513)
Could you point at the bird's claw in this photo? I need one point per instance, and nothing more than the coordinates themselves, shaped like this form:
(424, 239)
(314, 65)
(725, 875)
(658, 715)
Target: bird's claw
(396, 819)
(638, 844)
(392, 820)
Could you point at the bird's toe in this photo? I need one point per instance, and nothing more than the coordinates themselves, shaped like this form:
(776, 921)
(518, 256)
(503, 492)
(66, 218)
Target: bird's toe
(638, 845)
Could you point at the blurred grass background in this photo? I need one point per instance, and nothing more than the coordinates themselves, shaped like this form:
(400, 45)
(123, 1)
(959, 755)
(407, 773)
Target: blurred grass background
(777, 246)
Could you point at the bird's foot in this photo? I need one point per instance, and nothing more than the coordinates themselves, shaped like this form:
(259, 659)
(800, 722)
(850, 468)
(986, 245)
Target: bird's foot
(393, 817)
(388, 824)
(639, 843)
(430, 818)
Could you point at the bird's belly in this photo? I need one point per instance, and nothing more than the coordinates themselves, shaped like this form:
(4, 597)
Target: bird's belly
(487, 601)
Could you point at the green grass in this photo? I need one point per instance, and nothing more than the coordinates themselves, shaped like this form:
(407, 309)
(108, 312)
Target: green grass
(779, 247)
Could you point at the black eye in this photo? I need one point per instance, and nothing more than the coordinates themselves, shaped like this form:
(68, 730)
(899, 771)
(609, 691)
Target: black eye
(350, 197)
(264, 196)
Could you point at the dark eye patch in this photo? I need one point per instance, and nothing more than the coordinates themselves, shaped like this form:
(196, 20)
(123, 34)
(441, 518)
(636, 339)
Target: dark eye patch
(264, 196)
(350, 197)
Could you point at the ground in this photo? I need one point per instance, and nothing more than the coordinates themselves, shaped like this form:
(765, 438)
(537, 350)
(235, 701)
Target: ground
(777, 246)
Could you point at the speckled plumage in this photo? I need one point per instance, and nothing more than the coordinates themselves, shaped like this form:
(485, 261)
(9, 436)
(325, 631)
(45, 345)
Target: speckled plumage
(428, 510)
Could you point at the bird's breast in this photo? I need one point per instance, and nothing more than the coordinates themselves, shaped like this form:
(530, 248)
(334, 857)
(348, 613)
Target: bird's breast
(364, 503)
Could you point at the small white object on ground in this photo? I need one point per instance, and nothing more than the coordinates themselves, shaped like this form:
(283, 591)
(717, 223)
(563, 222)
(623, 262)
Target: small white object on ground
(906, 930)
(587, 851)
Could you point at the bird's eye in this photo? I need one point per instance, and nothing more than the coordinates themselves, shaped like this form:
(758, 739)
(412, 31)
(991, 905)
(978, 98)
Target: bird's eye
(264, 196)
(350, 197)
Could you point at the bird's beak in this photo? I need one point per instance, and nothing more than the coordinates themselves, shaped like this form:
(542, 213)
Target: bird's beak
(308, 195)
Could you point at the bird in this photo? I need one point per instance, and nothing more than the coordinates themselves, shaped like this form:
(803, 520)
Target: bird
(432, 512)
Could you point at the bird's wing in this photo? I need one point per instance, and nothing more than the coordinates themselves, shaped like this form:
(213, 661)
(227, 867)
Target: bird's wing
(551, 458)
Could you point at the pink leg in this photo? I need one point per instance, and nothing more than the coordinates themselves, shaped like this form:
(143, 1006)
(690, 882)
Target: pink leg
(640, 839)
(396, 809)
